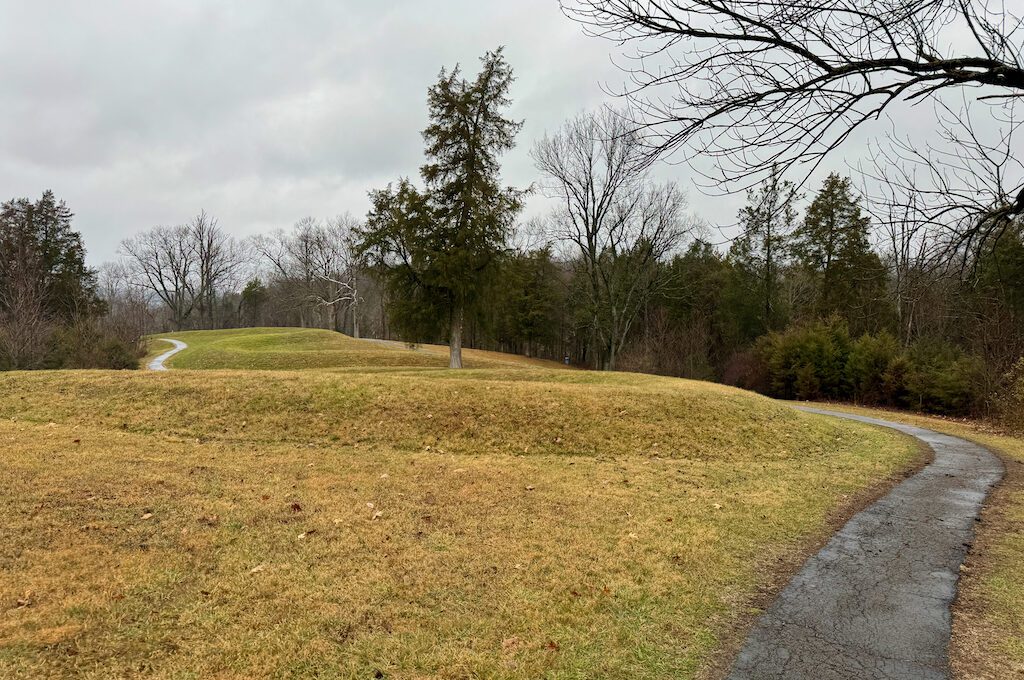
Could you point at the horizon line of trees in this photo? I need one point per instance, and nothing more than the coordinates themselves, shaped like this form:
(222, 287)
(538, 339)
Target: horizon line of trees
(620, 276)
(751, 315)
(799, 306)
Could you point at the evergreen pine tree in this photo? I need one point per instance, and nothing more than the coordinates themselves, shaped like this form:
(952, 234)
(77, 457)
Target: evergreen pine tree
(759, 253)
(435, 247)
(832, 245)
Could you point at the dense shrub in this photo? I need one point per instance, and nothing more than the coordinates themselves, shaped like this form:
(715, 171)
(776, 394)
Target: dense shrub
(85, 344)
(819, 361)
(807, 361)
(941, 379)
(1010, 402)
(874, 371)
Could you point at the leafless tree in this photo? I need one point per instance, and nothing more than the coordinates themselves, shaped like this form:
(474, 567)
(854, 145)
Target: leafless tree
(316, 262)
(164, 262)
(128, 316)
(25, 327)
(758, 83)
(185, 267)
(953, 196)
(336, 270)
(616, 223)
(218, 258)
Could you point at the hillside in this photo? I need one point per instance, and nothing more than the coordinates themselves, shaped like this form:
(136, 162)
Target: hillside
(301, 348)
(499, 522)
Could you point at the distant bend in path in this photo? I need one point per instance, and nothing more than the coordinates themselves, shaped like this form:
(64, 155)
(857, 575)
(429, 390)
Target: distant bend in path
(157, 364)
(874, 603)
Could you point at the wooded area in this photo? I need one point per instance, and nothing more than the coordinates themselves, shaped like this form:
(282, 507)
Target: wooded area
(911, 298)
(806, 302)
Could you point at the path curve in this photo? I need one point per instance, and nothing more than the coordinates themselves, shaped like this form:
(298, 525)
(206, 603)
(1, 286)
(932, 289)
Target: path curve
(874, 602)
(157, 364)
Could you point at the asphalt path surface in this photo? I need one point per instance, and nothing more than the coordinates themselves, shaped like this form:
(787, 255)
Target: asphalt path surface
(875, 601)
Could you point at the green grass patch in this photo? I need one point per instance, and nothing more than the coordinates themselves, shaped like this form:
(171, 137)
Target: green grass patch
(302, 348)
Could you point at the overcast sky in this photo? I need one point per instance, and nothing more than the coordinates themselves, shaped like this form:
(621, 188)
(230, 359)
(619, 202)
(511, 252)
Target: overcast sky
(260, 111)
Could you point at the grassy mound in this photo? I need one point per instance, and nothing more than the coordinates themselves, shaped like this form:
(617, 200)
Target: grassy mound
(301, 348)
(411, 522)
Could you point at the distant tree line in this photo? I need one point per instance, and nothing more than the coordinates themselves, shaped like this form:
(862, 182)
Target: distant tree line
(52, 309)
(812, 297)
(810, 300)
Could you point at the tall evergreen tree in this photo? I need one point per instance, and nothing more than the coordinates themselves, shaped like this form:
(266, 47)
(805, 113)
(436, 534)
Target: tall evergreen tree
(42, 255)
(760, 251)
(437, 245)
(832, 245)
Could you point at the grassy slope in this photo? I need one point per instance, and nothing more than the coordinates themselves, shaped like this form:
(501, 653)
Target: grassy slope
(294, 348)
(514, 522)
(988, 621)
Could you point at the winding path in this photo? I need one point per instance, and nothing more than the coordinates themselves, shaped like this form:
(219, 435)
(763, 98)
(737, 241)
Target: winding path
(874, 602)
(157, 364)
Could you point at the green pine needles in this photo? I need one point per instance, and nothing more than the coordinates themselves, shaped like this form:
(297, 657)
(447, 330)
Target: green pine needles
(434, 248)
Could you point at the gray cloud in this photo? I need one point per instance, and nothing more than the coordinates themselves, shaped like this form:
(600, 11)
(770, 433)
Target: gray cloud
(258, 112)
(262, 112)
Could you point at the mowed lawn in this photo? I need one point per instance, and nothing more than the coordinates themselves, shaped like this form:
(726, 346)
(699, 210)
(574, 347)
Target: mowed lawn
(279, 349)
(380, 520)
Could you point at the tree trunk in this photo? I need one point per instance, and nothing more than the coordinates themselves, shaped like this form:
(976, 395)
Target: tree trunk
(455, 341)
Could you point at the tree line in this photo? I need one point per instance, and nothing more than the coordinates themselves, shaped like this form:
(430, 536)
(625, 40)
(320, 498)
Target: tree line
(814, 296)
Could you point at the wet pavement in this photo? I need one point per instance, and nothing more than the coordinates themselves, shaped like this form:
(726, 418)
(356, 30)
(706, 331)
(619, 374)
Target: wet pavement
(874, 602)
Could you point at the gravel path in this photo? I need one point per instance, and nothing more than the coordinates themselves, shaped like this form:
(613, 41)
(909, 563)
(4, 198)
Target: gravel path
(874, 602)
(158, 363)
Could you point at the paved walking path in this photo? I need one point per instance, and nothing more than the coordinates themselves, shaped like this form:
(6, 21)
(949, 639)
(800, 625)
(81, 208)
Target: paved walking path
(158, 363)
(874, 602)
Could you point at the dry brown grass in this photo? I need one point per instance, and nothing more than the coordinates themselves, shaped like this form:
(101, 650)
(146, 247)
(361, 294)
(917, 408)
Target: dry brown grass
(418, 523)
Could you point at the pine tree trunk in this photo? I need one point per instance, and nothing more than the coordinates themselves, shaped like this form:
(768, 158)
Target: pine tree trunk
(455, 342)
